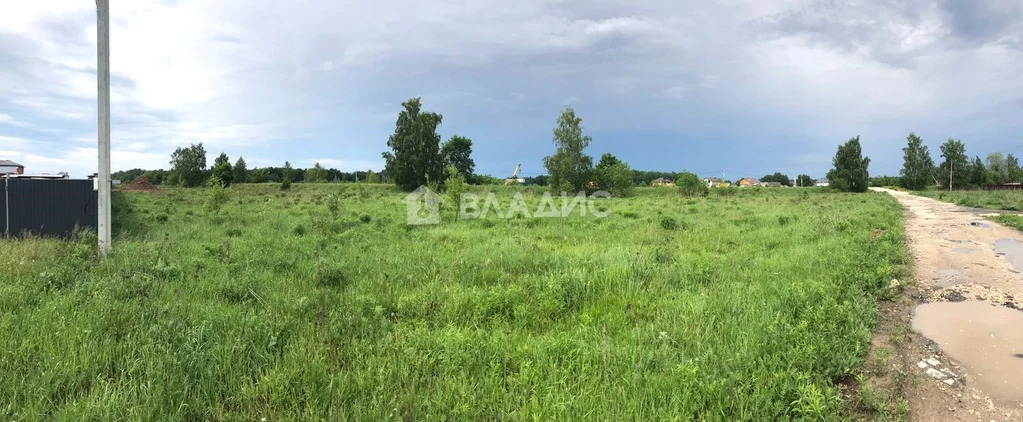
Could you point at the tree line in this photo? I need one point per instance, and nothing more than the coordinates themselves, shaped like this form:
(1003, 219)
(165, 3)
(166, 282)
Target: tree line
(189, 169)
(956, 170)
(418, 158)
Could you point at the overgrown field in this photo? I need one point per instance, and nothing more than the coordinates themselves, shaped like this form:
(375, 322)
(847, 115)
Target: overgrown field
(990, 199)
(321, 303)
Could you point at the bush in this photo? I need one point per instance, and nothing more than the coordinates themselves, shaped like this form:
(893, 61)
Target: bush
(690, 185)
(669, 223)
(215, 199)
(455, 185)
(334, 205)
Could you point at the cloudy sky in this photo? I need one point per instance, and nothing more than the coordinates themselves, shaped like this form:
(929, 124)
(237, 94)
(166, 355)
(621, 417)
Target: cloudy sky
(745, 86)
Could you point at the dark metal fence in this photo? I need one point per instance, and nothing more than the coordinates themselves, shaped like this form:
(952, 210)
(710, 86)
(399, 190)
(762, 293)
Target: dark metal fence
(47, 207)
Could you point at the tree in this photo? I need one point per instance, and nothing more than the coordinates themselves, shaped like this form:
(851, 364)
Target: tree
(188, 165)
(885, 181)
(317, 174)
(613, 175)
(850, 168)
(415, 144)
(223, 174)
(917, 166)
(455, 184)
(372, 177)
(1014, 171)
(804, 180)
(978, 173)
(998, 172)
(777, 177)
(259, 175)
(155, 177)
(222, 159)
(241, 174)
(540, 180)
(689, 184)
(288, 174)
(457, 152)
(956, 164)
(569, 168)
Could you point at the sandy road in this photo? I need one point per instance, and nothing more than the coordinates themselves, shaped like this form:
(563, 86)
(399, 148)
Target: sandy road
(968, 359)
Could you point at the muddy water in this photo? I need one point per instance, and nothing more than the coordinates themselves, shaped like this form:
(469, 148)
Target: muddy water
(1013, 251)
(987, 340)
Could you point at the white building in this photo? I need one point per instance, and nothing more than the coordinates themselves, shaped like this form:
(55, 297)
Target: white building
(821, 182)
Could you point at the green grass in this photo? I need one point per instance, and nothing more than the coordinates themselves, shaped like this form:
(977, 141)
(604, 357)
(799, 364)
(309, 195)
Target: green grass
(1011, 220)
(321, 303)
(989, 199)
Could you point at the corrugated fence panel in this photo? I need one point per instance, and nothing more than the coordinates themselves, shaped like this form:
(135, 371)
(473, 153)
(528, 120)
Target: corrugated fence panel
(50, 207)
(3, 206)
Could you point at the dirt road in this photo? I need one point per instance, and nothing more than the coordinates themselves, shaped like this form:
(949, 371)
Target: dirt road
(965, 355)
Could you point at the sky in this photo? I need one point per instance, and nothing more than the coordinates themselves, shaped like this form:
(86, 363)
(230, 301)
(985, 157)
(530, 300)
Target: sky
(738, 87)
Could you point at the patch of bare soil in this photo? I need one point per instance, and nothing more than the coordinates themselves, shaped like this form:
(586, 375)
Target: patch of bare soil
(140, 184)
(955, 261)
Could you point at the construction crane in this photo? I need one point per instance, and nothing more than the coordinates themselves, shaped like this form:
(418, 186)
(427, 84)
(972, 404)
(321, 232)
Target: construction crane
(514, 177)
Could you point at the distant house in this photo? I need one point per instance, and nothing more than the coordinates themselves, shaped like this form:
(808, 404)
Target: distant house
(10, 167)
(821, 182)
(714, 182)
(771, 184)
(662, 181)
(746, 182)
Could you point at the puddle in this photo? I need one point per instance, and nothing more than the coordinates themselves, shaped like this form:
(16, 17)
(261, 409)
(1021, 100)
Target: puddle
(980, 224)
(985, 339)
(963, 250)
(1012, 250)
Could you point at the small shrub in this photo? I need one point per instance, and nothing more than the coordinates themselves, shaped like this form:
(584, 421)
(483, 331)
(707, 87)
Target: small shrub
(286, 184)
(365, 218)
(330, 276)
(215, 199)
(455, 185)
(334, 205)
(669, 223)
(162, 218)
(299, 230)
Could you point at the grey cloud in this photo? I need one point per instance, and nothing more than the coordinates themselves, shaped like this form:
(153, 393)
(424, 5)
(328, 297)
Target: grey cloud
(333, 75)
(984, 21)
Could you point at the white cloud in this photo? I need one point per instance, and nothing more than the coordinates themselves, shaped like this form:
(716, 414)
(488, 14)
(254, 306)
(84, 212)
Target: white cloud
(7, 119)
(10, 140)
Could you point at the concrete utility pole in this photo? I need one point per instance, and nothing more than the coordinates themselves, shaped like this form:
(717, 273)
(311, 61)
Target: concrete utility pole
(950, 175)
(103, 79)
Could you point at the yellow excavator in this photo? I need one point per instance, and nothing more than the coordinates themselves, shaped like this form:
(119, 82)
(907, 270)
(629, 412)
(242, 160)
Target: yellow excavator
(515, 176)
